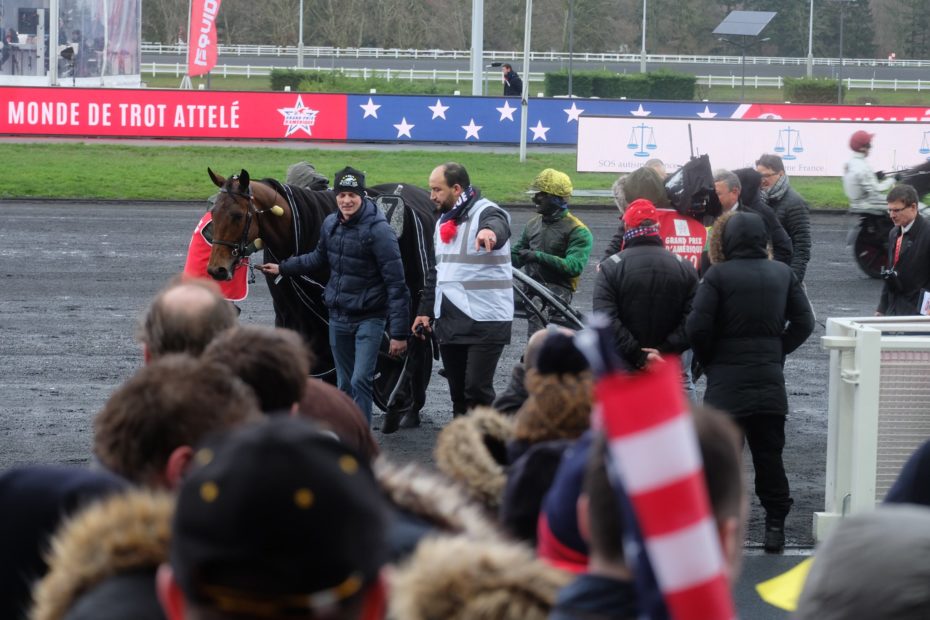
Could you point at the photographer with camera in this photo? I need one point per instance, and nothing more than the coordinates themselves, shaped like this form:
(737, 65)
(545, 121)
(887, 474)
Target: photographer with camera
(908, 273)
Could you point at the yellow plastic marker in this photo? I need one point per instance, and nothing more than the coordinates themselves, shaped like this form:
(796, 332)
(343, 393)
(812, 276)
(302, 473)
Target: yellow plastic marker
(784, 590)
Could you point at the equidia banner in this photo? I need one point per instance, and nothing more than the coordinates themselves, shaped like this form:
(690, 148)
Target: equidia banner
(808, 148)
(201, 48)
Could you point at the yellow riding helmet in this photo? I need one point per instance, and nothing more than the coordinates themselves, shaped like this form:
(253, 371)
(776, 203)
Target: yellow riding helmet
(553, 182)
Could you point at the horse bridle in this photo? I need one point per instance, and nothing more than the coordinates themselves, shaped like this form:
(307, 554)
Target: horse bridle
(241, 249)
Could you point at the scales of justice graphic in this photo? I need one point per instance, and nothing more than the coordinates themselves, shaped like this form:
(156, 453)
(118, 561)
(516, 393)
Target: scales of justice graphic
(924, 147)
(640, 144)
(788, 143)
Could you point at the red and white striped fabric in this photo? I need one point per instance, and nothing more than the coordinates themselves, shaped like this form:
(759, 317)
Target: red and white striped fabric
(655, 451)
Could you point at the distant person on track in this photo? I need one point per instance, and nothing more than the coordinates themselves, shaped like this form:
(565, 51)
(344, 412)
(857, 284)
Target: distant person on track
(513, 85)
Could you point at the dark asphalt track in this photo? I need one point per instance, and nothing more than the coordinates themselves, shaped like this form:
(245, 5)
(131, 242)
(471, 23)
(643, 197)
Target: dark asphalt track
(76, 277)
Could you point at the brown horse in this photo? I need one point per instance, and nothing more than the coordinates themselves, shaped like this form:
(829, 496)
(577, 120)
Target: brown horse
(287, 219)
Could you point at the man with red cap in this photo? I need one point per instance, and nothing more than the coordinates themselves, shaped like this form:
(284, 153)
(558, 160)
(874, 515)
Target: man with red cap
(645, 290)
(865, 189)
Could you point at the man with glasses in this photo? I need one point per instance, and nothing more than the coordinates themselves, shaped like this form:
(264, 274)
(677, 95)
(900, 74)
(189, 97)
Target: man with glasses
(908, 273)
(790, 209)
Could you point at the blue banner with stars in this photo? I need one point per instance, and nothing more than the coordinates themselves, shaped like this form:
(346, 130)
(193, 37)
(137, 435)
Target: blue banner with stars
(397, 118)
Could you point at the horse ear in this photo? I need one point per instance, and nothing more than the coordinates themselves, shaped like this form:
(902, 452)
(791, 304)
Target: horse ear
(217, 179)
(243, 180)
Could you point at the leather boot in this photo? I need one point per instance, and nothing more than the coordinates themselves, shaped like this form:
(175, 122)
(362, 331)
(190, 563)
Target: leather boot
(774, 535)
(391, 422)
(411, 419)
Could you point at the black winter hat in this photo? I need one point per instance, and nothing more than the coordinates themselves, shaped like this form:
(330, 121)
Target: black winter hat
(350, 180)
(281, 515)
(558, 355)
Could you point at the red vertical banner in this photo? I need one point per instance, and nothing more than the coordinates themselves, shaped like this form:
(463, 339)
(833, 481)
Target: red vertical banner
(201, 40)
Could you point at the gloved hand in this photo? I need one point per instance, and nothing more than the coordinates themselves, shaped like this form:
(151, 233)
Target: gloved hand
(880, 175)
(527, 256)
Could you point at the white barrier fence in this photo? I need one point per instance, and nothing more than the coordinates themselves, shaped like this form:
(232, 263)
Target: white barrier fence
(288, 51)
(878, 409)
(726, 81)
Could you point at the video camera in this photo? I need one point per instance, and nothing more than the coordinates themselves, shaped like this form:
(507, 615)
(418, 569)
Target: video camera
(691, 189)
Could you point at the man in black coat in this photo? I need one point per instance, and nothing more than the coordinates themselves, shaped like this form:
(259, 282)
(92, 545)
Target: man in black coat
(739, 190)
(748, 314)
(908, 255)
(790, 209)
(645, 290)
(513, 85)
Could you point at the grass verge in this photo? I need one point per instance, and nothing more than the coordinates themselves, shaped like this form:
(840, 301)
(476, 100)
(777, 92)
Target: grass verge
(127, 172)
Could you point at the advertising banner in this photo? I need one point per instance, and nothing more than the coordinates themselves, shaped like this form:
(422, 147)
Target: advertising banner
(172, 114)
(810, 112)
(808, 148)
(201, 48)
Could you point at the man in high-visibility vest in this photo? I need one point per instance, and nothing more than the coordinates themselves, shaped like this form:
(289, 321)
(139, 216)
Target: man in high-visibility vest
(472, 289)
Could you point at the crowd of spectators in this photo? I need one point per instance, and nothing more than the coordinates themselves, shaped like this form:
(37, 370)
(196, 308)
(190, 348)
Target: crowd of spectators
(227, 483)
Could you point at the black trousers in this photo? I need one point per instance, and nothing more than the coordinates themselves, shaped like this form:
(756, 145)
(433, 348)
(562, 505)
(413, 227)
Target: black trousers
(470, 372)
(765, 435)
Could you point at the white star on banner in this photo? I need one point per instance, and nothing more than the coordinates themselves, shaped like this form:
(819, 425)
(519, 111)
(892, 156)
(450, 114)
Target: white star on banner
(370, 109)
(298, 118)
(539, 132)
(640, 111)
(404, 129)
(573, 113)
(707, 113)
(471, 130)
(439, 110)
(506, 111)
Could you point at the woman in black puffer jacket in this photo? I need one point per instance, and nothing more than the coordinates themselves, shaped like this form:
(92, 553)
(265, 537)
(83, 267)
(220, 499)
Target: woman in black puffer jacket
(737, 328)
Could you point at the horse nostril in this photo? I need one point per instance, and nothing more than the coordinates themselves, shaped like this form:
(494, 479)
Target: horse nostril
(219, 273)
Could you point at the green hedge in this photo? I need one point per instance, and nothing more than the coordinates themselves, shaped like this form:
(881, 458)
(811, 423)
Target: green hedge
(810, 90)
(610, 85)
(671, 85)
(556, 83)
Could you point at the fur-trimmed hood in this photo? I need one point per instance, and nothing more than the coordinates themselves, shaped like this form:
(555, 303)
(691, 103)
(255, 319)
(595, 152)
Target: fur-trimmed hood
(458, 578)
(122, 533)
(472, 450)
(558, 407)
(429, 496)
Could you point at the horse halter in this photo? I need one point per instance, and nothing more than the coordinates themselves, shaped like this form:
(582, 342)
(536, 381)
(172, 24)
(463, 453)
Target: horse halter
(240, 249)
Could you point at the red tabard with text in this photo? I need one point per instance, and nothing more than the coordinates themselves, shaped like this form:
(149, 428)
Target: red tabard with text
(201, 49)
(149, 113)
(682, 235)
(198, 256)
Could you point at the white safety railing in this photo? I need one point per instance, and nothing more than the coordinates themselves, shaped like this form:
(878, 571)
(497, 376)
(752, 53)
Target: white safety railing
(878, 409)
(491, 55)
(463, 75)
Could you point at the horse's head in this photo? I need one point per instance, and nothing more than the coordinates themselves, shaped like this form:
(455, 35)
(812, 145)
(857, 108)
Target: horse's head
(234, 224)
